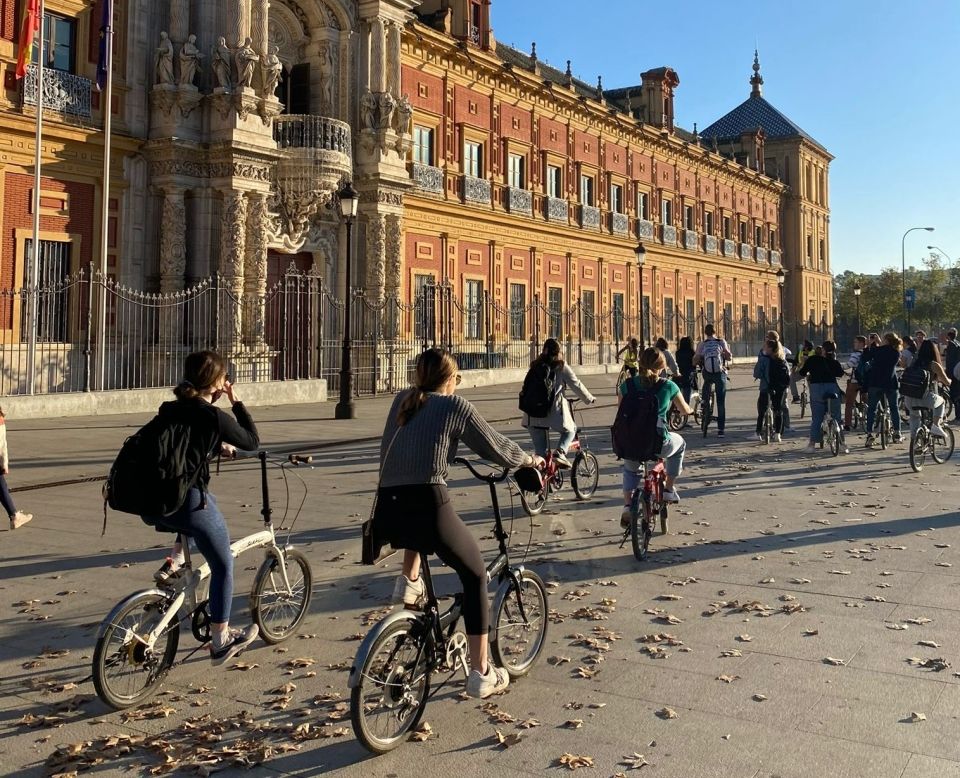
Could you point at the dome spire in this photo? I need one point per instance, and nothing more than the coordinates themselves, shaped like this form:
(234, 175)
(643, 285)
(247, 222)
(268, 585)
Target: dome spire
(756, 80)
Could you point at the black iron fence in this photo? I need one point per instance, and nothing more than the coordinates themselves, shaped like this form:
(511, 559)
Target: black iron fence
(294, 329)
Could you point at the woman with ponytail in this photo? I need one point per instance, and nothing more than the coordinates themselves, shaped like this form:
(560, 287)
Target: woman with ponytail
(205, 381)
(413, 509)
(650, 366)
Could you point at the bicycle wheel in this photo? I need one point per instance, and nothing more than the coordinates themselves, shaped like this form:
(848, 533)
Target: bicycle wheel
(918, 449)
(391, 693)
(533, 502)
(884, 431)
(803, 403)
(585, 474)
(903, 410)
(275, 610)
(766, 430)
(941, 449)
(676, 419)
(833, 437)
(705, 417)
(641, 529)
(664, 519)
(125, 671)
(519, 634)
(947, 403)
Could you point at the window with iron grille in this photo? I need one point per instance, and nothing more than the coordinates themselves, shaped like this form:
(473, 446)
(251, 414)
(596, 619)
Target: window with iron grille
(53, 299)
(617, 316)
(424, 305)
(667, 319)
(554, 312)
(711, 312)
(588, 301)
(518, 313)
(727, 320)
(691, 318)
(473, 309)
(645, 317)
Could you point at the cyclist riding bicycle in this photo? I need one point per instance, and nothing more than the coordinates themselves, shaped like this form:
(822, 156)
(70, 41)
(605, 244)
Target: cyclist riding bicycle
(806, 351)
(672, 370)
(630, 352)
(205, 380)
(774, 376)
(853, 387)
(558, 418)
(667, 394)
(687, 379)
(928, 358)
(413, 509)
(822, 371)
(882, 381)
(712, 356)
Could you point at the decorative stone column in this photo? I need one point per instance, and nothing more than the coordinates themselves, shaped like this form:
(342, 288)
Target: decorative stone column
(179, 21)
(238, 22)
(378, 57)
(376, 255)
(255, 272)
(259, 25)
(393, 60)
(233, 240)
(173, 262)
(394, 255)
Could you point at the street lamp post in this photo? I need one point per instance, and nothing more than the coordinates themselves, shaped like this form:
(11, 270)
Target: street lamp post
(941, 252)
(781, 279)
(348, 201)
(641, 253)
(856, 296)
(903, 270)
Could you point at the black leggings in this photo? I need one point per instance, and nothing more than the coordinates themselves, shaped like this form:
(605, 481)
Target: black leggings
(762, 400)
(421, 518)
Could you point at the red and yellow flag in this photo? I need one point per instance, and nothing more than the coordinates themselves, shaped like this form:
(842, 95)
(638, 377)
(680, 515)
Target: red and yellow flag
(29, 24)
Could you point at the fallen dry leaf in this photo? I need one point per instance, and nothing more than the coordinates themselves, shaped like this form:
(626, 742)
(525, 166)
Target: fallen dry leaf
(573, 723)
(507, 740)
(728, 678)
(759, 697)
(915, 717)
(832, 661)
(422, 733)
(667, 713)
(634, 761)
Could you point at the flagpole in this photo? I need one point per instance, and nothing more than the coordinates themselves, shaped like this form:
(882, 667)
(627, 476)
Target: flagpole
(106, 108)
(34, 280)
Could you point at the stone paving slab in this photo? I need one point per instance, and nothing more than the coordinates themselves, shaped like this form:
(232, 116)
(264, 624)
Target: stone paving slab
(749, 514)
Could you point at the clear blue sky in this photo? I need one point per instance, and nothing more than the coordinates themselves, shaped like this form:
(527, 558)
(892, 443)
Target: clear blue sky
(877, 82)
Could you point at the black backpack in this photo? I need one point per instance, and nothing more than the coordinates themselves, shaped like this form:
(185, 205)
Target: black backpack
(637, 431)
(915, 382)
(158, 464)
(539, 390)
(778, 374)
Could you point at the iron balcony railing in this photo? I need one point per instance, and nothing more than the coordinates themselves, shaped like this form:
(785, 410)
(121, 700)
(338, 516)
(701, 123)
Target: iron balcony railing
(63, 92)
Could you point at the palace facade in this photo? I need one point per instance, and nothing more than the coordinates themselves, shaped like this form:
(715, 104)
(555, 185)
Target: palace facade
(481, 170)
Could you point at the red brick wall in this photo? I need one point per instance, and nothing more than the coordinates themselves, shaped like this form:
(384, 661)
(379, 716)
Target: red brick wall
(557, 143)
(17, 215)
(472, 108)
(616, 159)
(586, 147)
(515, 123)
(666, 175)
(425, 91)
(8, 19)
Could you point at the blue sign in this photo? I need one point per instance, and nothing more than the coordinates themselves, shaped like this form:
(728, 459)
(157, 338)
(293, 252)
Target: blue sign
(910, 298)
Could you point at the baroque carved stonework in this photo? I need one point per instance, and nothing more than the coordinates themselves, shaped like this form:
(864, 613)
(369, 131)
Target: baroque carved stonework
(255, 271)
(390, 197)
(376, 253)
(249, 169)
(394, 253)
(173, 246)
(233, 237)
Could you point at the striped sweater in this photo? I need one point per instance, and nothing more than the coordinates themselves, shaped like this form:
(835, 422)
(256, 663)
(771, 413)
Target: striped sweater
(427, 444)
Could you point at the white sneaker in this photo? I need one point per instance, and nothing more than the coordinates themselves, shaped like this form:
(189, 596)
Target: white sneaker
(671, 495)
(561, 459)
(237, 641)
(496, 680)
(20, 518)
(776, 438)
(413, 594)
(937, 431)
(811, 446)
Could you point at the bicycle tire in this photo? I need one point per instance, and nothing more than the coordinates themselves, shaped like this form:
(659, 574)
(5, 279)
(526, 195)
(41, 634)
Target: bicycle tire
(884, 432)
(290, 608)
(947, 404)
(918, 449)
(803, 403)
(697, 412)
(530, 627)
(155, 663)
(766, 430)
(903, 410)
(387, 685)
(834, 438)
(664, 519)
(942, 451)
(706, 412)
(640, 529)
(676, 419)
(585, 475)
(533, 502)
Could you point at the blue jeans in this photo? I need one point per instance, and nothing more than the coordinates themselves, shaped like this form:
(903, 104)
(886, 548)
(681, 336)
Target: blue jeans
(209, 531)
(541, 440)
(820, 395)
(874, 393)
(672, 454)
(5, 499)
(719, 382)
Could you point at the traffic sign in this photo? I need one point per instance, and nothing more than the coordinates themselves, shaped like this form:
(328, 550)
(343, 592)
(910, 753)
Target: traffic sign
(910, 298)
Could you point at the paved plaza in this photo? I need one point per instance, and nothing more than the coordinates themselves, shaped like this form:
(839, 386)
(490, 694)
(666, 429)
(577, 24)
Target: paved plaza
(801, 617)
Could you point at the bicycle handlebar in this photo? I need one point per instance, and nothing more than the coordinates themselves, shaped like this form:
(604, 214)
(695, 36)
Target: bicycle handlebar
(490, 479)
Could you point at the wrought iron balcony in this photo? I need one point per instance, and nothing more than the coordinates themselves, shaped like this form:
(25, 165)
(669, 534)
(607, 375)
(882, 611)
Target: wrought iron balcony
(761, 254)
(475, 34)
(710, 244)
(62, 92)
(519, 200)
(619, 223)
(427, 177)
(558, 209)
(690, 240)
(746, 251)
(669, 235)
(729, 248)
(590, 217)
(645, 229)
(475, 190)
(774, 257)
(305, 131)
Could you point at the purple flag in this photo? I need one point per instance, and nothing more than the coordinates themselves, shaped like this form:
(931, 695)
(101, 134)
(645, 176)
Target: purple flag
(102, 64)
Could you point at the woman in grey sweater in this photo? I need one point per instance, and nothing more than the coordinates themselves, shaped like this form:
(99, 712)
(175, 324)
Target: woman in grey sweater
(413, 512)
(558, 418)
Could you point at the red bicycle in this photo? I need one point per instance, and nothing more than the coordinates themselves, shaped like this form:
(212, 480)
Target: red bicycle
(645, 505)
(584, 473)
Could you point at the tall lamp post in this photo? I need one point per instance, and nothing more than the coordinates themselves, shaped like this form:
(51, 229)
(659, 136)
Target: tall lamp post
(941, 252)
(641, 253)
(348, 201)
(903, 269)
(781, 279)
(856, 296)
